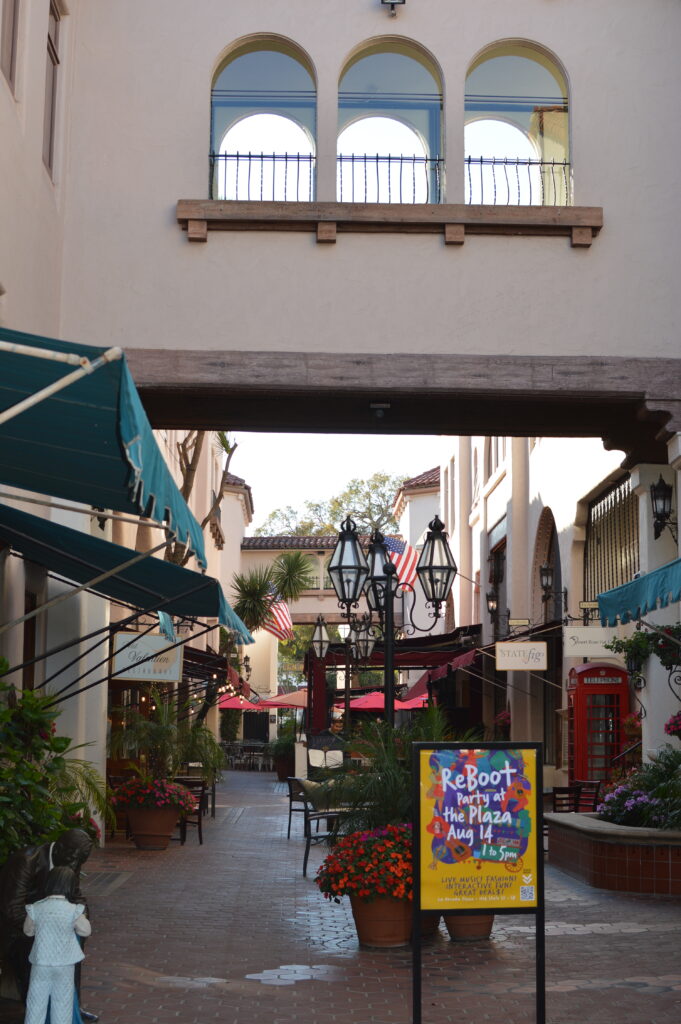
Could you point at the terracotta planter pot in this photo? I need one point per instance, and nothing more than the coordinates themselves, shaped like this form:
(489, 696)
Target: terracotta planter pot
(285, 767)
(152, 827)
(469, 927)
(382, 922)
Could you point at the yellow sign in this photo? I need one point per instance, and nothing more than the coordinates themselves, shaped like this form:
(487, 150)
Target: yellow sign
(478, 828)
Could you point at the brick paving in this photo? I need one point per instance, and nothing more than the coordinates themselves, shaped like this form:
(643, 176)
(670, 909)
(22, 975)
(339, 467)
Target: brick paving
(231, 931)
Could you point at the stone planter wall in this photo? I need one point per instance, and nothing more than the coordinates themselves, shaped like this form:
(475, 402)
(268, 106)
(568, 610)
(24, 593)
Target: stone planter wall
(615, 857)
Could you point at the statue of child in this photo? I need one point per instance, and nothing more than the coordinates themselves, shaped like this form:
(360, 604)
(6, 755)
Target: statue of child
(54, 921)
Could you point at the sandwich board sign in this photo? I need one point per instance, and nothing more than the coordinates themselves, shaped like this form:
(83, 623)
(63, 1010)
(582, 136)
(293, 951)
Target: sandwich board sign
(478, 838)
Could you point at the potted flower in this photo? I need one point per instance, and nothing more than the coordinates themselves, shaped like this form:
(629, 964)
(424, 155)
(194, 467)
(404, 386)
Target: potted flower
(636, 649)
(374, 869)
(673, 726)
(666, 646)
(153, 807)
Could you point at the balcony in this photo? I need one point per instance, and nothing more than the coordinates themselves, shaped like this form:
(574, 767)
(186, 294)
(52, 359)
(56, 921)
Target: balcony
(276, 192)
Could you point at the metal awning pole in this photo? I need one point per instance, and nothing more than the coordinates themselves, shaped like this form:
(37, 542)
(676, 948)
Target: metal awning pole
(41, 609)
(98, 514)
(86, 367)
(112, 675)
(133, 639)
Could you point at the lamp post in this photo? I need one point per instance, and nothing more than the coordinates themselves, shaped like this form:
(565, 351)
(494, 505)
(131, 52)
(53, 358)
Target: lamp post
(320, 645)
(436, 570)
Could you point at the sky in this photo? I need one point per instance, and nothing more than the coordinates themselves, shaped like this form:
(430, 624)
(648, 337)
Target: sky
(290, 469)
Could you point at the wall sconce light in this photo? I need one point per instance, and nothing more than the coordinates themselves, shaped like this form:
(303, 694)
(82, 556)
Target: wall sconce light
(492, 603)
(392, 4)
(247, 667)
(661, 500)
(546, 583)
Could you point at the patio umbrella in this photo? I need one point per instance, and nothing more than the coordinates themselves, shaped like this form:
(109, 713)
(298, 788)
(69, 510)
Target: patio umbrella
(297, 699)
(413, 703)
(236, 703)
(374, 701)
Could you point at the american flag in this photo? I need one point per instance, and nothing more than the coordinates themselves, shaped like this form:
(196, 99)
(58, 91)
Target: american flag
(279, 622)
(404, 557)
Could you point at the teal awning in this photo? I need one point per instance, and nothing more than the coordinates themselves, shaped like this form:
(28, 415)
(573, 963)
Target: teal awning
(91, 442)
(633, 600)
(147, 584)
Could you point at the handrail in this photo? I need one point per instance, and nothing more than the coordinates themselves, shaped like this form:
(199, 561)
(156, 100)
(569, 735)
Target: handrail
(624, 753)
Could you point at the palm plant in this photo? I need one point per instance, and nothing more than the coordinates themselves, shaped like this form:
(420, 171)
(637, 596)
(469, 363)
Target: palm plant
(253, 595)
(382, 792)
(288, 576)
(166, 743)
(292, 573)
(155, 738)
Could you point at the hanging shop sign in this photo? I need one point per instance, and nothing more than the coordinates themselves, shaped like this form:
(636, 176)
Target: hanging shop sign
(479, 828)
(149, 659)
(521, 655)
(588, 642)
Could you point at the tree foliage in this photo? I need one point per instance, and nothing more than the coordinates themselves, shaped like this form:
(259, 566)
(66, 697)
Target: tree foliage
(380, 792)
(42, 791)
(369, 502)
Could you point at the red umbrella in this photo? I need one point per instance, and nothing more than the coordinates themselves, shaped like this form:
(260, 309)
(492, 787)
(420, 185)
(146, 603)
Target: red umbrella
(413, 703)
(237, 703)
(374, 701)
(297, 699)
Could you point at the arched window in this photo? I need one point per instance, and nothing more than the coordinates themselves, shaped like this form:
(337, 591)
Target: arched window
(516, 132)
(389, 127)
(263, 118)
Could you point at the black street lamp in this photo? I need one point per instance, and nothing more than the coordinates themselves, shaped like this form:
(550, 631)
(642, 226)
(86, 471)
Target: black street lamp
(436, 570)
(320, 639)
(348, 567)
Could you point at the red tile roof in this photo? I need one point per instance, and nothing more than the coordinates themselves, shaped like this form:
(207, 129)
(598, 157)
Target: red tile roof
(431, 478)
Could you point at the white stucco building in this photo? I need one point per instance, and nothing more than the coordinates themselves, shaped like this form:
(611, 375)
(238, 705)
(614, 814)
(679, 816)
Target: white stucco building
(506, 267)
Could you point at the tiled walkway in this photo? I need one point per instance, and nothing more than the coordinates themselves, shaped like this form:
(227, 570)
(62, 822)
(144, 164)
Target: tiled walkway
(230, 931)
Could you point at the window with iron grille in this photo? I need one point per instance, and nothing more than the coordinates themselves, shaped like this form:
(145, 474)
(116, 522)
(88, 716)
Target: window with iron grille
(611, 555)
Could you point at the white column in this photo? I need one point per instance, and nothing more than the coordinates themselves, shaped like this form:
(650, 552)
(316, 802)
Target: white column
(327, 134)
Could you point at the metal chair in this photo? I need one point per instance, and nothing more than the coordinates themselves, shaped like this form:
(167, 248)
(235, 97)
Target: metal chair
(296, 800)
(197, 788)
(312, 817)
(589, 796)
(565, 799)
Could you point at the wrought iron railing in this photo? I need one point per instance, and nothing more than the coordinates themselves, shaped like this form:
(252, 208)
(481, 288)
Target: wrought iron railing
(389, 179)
(262, 177)
(290, 177)
(501, 181)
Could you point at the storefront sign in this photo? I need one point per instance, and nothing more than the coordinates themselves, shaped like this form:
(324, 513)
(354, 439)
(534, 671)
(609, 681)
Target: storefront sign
(521, 655)
(587, 642)
(164, 665)
(478, 828)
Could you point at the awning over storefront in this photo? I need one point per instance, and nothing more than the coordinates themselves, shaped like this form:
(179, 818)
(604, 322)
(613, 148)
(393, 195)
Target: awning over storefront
(420, 687)
(90, 442)
(632, 600)
(147, 584)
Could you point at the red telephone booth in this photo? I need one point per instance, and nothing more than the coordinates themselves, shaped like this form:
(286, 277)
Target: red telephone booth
(598, 700)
